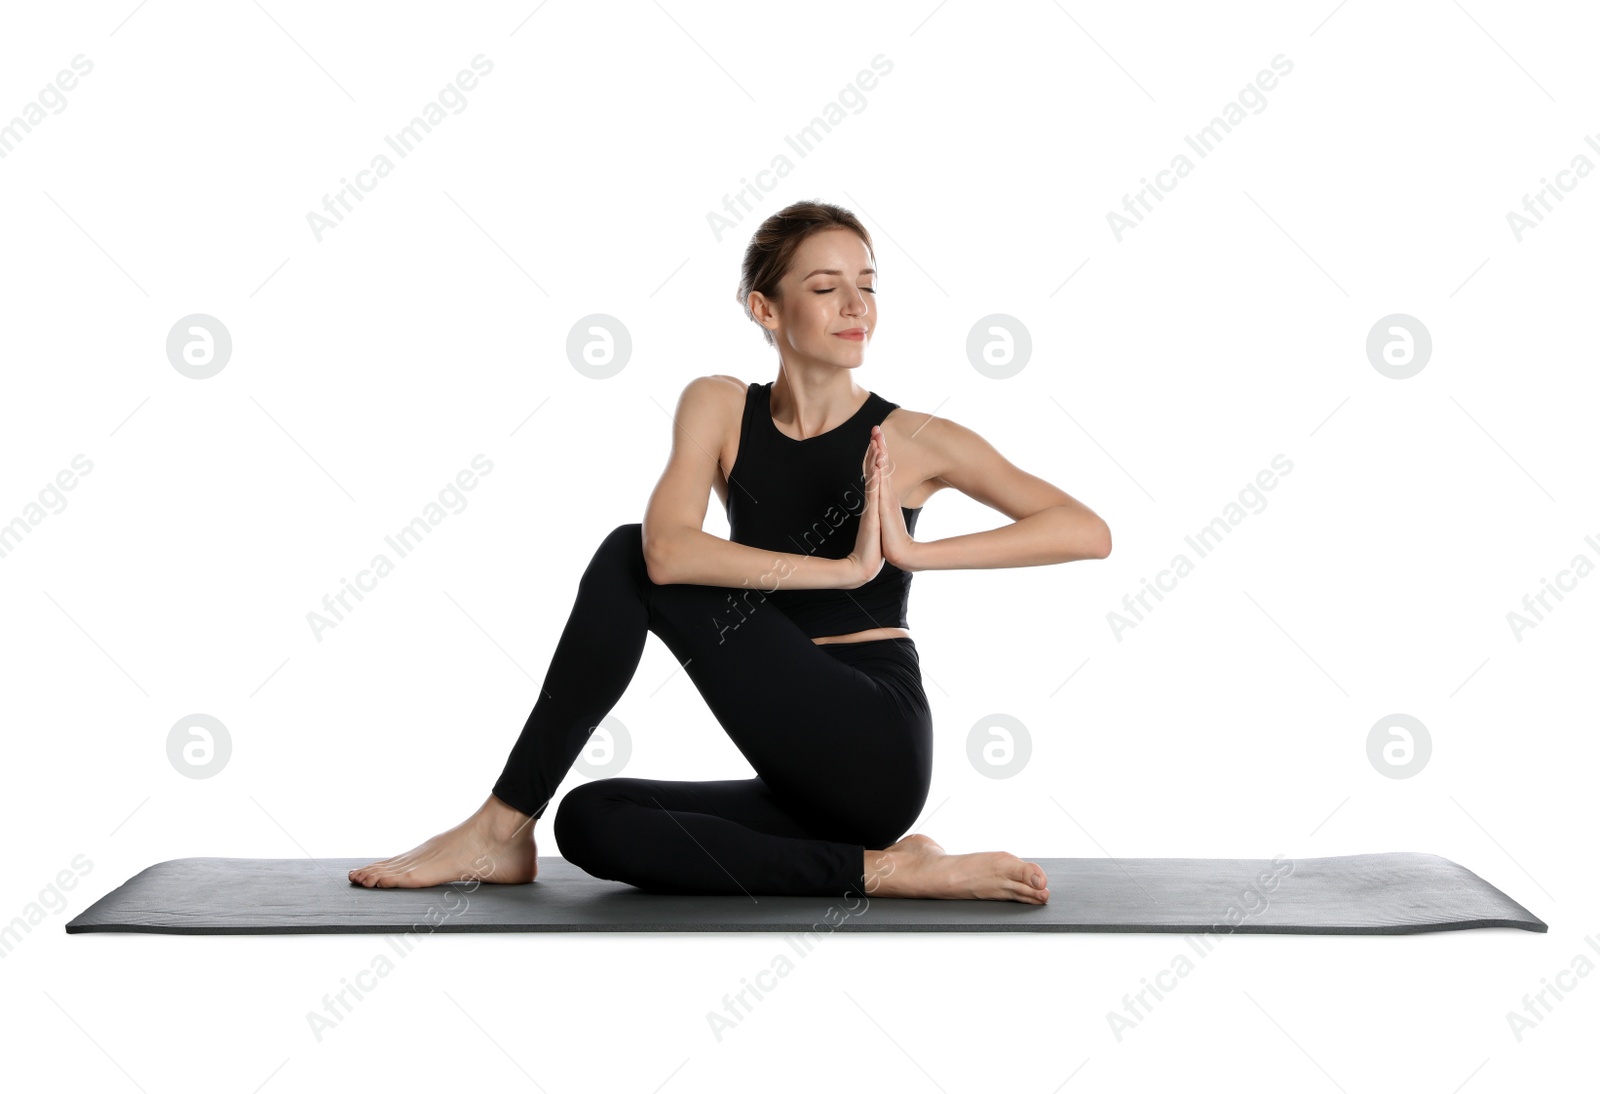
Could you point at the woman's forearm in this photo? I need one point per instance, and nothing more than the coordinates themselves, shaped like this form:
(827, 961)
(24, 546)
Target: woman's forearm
(696, 557)
(1061, 533)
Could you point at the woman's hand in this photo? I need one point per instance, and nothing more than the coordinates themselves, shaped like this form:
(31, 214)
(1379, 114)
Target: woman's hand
(897, 544)
(867, 558)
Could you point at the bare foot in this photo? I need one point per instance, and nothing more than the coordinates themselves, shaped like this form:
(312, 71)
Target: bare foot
(494, 844)
(916, 866)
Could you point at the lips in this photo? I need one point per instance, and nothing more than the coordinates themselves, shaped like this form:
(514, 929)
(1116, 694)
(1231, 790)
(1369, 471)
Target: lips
(854, 335)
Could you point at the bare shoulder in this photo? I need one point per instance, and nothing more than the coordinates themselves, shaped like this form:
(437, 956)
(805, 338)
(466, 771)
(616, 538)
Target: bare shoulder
(709, 412)
(959, 457)
(943, 450)
(714, 390)
(927, 433)
(920, 446)
(720, 387)
(908, 424)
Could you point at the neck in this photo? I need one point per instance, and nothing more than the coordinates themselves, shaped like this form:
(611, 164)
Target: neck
(815, 401)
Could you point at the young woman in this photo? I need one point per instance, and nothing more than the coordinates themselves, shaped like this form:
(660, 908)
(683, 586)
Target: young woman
(793, 628)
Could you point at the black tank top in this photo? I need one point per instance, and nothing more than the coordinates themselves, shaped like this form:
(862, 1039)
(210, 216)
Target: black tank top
(805, 497)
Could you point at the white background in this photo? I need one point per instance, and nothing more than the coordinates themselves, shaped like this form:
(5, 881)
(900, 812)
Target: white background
(1168, 369)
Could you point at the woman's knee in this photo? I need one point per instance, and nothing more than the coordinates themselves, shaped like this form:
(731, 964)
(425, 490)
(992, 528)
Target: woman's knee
(627, 535)
(580, 826)
(621, 548)
(887, 826)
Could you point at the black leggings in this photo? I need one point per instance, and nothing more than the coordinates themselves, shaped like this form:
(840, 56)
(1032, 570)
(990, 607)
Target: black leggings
(839, 734)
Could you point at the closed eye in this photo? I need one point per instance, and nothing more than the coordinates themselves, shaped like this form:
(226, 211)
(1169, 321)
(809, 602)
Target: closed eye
(864, 288)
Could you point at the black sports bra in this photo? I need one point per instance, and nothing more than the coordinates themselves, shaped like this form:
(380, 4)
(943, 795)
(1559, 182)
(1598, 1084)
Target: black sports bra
(805, 497)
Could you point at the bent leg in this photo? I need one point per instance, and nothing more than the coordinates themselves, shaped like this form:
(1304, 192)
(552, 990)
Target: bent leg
(594, 660)
(828, 740)
(727, 836)
(844, 754)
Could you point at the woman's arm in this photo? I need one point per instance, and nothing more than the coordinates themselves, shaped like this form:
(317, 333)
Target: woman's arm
(1049, 525)
(699, 558)
(677, 550)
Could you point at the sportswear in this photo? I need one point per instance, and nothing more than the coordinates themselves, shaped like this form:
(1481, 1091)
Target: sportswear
(805, 497)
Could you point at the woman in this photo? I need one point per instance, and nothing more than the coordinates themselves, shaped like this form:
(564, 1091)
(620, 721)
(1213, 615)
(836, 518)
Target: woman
(793, 628)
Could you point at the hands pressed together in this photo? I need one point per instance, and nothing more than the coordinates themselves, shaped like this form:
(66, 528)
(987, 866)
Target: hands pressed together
(882, 535)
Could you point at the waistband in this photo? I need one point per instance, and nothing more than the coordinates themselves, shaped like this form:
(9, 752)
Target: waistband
(880, 657)
(893, 662)
(872, 645)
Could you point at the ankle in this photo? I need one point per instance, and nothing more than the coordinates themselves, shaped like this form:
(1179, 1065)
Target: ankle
(878, 871)
(502, 822)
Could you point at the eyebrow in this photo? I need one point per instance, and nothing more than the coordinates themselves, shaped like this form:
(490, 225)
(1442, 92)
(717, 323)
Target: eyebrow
(814, 273)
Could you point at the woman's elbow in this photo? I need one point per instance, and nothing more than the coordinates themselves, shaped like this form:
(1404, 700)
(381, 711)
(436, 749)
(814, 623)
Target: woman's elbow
(1104, 540)
(1093, 541)
(1086, 532)
(655, 564)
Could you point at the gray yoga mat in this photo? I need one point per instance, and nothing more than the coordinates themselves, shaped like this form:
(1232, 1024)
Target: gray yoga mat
(1401, 892)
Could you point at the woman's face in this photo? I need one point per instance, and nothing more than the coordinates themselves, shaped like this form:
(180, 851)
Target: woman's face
(830, 289)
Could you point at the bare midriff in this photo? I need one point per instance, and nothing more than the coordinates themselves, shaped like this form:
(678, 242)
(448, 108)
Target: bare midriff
(874, 634)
